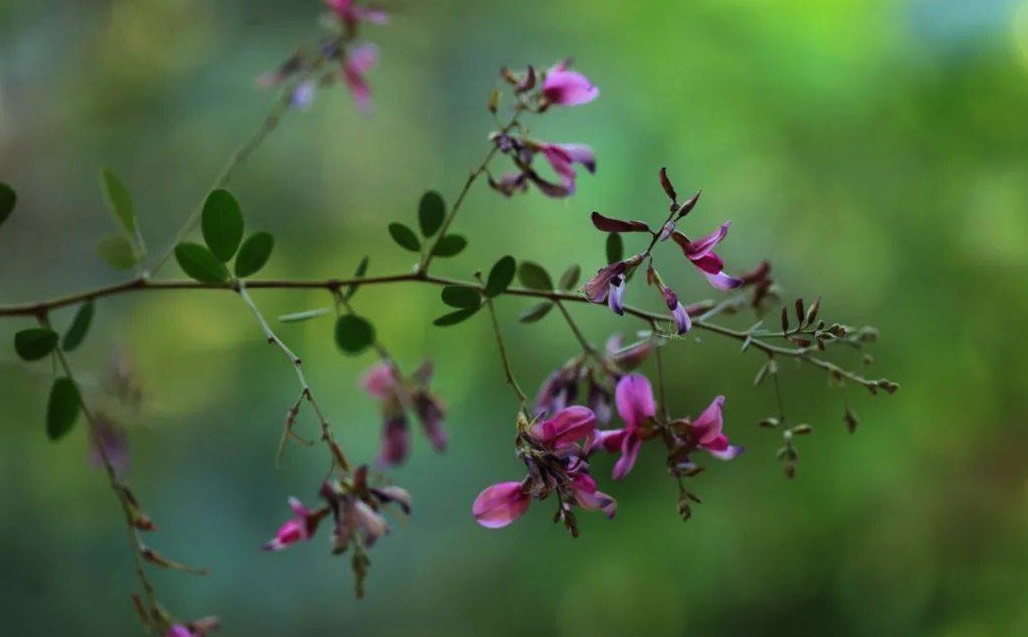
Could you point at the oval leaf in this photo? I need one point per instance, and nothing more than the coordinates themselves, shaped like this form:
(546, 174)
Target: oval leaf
(451, 245)
(254, 254)
(117, 252)
(62, 409)
(501, 276)
(535, 312)
(569, 279)
(354, 334)
(35, 343)
(362, 269)
(404, 237)
(461, 296)
(431, 213)
(79, 326)
(615, 248)
(200, 263)
(296, 317)
(455, 317)
(8, 198)
(222, 224)
(118, 199)
(534, 276)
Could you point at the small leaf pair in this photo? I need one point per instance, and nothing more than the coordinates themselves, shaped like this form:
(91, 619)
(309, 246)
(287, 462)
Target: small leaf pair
(431, 217)
(222, 227)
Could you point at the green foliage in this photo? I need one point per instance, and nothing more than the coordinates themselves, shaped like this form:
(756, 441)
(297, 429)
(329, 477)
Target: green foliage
(453, 318)
(200, 264)
(431, 213)
(535, 312)
(354, 334)
(362, 269)
(615, 248)
(8, 199)
(254, 254)
(450, 246)
(62, 408)
(570, 278)
(404, 237)
(117, 252)
(79, 326)
(534, 276)
(119, 201)
(222, 224)
(461, 296)
(35, 343)
(501, 276)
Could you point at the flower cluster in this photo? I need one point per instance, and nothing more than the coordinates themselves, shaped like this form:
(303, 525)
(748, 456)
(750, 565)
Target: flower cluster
(344, 60)
(553, 451)
(608, 284)
(397, 395)
(536, 92)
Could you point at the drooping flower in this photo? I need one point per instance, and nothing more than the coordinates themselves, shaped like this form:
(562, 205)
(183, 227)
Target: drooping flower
(701, 254)
(383, 383)
(302, 527)
(562, 157)
(359, 60)
(608, 284)
(500, 504)
(633, 397)
(563, 87)
(682, 321)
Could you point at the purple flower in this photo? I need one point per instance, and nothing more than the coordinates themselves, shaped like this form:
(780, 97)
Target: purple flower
(682, 321)
(500, 504)
(558, 391)
(565, 428)
(702, 255)
(563, 156)
(567, 88)
(359, 61)
(598, 288)
(301, 527)
(706, 430)
(587, 497)
(395, 437)
(382, 383)
(633, 397)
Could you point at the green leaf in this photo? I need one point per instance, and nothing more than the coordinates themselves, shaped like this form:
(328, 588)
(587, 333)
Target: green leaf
(200, 263)
(62, 409)
(79, 326)
(404, 237)
(254, 254)
(501, 276)
(615, 248)
(569, 279)
(7, 200)
(118, 199)
(222, 224)
(362, 269)
(117, 252)
(454, 318)
(354, 334)
(534, 276)
(451, 245)
(35, 343)
(431, 213)
(461, 296)
(306, 315)
(535, 312)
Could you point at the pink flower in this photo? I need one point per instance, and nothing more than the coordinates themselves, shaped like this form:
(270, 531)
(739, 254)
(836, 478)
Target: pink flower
(563, 156)
(706, 430)
(359, 61)
(587, 497)
(567, 427)
(382, 383)
(678, 312)
(633, 397)
(178, 630)
(300, 528)
(395, 439)
(567, 88)
(351, 14)
(499, 505)
(702, 255)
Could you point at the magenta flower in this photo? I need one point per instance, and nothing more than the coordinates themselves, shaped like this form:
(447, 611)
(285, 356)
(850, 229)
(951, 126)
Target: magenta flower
(702, 255)
(351, 14)
(633, 397)
(359, 61)
(563, 156)
(587, 497)
(382, 383)
(567, 88)
(565, 428)
(605, 281)
(707, 431)
(499, 505)
(300, 528)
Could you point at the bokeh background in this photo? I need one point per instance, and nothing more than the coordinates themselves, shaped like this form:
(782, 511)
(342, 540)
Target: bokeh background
(875, 150)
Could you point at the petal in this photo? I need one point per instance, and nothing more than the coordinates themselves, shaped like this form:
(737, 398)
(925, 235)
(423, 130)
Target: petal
(629, 452)
(557, 191)
(298, 508)
(303, 96)
(710, 263)
(708, 425)
(430, 413)
(395, 441)
(722, 281)
(598, 287)
(702, 247)
(178, 630)
(634, 398)
(362, 58)
(581, 154)
(369, 521)
(561, 163)
(379, 381)
(396, 494)
(289, 533)
(565, 428)
(682, 321)
(611, 440)
(616, 297)
(499, 505)
(727, 454)
(568, 88)
(596, 501)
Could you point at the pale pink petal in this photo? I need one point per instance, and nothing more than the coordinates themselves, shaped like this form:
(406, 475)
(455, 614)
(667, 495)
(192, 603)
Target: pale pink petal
(700, 248)
(634, 399)
(380, 381)
(728, 453)
(499, 505)
(298, 508)
(722, 281)
(561, 163)
(630, 445)
(580, 153)
(568, 88)
(708, 425)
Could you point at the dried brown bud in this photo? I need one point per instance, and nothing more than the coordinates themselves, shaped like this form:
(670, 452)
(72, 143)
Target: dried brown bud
(851, 420)
(802, 430)
(668, 188)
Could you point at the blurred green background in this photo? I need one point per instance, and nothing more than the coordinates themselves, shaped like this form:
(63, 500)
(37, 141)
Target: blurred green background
(875, 150)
